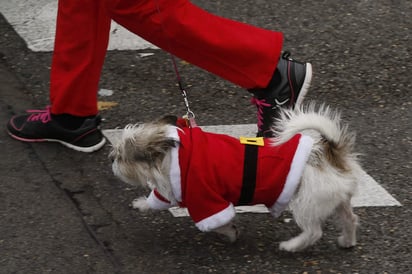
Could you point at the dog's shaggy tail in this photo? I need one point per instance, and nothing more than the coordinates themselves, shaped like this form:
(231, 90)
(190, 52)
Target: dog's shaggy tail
(323, 125)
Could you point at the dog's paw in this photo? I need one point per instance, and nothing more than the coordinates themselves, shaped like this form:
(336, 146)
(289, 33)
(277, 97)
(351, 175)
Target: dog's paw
(230, 232)
(292, 245)
(344, 242)
(141, 204)
(233, 235)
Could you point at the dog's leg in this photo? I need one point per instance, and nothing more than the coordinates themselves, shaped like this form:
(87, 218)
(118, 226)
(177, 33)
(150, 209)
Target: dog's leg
(309, 211)
(349, 222)
(229, 230)
(310, 234)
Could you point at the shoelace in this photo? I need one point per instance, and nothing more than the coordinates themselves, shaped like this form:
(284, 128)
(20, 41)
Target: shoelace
(42, 115)
(260, 104)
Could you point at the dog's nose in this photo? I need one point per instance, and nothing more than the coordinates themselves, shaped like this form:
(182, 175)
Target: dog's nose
(111, 158)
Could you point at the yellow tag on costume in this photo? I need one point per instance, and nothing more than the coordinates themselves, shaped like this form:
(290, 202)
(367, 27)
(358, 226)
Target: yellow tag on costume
(254, 141)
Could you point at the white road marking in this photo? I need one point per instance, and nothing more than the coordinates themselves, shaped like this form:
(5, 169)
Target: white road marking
(35, 22)
(370, 193)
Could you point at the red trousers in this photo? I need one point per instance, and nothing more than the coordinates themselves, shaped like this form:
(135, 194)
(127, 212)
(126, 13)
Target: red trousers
(242, 54)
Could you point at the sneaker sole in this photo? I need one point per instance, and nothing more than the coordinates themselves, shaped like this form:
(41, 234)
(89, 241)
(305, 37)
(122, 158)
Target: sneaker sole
(77, 148)
(305, 87)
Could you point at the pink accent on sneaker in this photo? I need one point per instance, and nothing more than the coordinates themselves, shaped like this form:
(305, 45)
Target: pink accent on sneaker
(260, 103)
(26, 140)
(84, 134)
(39, 114)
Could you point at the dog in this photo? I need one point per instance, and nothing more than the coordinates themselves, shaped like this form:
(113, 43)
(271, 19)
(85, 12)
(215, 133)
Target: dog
(310, 168)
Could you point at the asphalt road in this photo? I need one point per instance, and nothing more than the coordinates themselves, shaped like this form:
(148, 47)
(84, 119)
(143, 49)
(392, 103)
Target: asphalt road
(64, 212)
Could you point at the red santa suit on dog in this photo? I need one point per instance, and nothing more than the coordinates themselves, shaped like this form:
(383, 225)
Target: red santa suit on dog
(207, 175)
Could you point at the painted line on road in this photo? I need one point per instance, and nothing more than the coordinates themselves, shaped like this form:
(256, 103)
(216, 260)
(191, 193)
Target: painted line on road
(369, 194)
(35, 22)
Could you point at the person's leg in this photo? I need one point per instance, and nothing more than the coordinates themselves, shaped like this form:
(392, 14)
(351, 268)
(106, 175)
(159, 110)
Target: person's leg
(243, 54)
(82, 33)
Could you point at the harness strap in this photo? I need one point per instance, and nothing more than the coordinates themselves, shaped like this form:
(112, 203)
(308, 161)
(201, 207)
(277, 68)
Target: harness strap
(249, 175)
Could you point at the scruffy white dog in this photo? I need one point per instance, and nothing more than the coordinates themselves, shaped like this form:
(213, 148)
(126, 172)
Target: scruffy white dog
(310, 168)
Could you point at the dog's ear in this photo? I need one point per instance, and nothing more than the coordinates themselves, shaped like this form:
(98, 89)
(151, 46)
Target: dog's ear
(168, 120)
(158, 149)
(154, 151)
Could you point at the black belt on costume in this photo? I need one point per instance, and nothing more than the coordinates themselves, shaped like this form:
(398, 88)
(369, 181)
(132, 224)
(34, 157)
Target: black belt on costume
(249, 175)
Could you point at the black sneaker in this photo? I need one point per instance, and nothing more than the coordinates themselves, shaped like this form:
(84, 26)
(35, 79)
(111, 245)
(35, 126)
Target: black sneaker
(38, 126)
(287, 88)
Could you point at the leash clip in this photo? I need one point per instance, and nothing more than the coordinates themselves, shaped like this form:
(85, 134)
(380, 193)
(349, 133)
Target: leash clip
(190, 119)
(189, 116)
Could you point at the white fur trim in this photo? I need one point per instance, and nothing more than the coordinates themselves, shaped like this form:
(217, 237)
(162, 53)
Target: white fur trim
(292, 181)
(156, 203)
(221, 218)
(175, 178)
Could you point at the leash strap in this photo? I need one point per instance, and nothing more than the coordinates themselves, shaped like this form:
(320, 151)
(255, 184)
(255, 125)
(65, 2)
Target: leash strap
(249, 175)
(190, 116)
